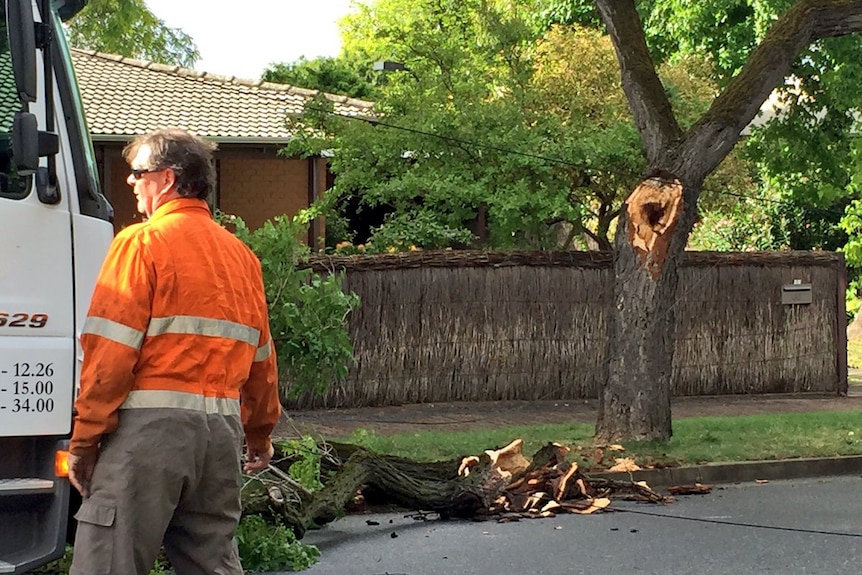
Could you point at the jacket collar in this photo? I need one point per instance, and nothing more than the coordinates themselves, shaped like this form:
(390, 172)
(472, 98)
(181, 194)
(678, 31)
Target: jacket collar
(190, 205)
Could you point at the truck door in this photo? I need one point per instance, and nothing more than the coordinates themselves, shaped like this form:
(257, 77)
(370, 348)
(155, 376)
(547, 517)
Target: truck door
(36, 291)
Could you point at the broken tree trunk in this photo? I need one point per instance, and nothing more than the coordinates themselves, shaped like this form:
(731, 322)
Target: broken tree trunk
(501, 483)
(634, 402)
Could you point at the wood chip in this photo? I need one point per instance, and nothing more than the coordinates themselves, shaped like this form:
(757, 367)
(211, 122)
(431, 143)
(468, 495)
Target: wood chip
(586, 507)
(624, 464)
(466, 464)
(561, 483)
(696, 489)
(509, 459)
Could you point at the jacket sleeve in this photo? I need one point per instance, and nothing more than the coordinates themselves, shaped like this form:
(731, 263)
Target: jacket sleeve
(259, 396)
(111, 339)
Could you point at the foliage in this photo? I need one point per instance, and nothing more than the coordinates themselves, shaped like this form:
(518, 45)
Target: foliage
(59, 566)
(726, 31)
(331, 75)
(306, 468)
(851, 223)
(493, 136)
(402, 232)
(307, 311)
(802, 160)
(128, 28)
(803, 157)
(745, 226)
(264, 547)
(62, 565)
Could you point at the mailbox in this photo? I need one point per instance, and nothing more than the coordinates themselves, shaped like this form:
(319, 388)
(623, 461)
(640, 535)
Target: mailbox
(796, 293)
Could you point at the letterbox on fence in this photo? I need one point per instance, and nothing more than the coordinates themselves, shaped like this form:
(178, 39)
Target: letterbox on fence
(796, 293)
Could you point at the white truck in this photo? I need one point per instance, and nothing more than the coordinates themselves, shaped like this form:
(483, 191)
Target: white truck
(55, 228)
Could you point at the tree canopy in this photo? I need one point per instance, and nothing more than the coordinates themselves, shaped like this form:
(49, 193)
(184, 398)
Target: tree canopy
(327, 74)
(129, 28)
(801, 164)
(496, 133)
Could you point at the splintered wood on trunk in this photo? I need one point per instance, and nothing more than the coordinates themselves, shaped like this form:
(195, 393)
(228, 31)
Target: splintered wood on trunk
(500, 483)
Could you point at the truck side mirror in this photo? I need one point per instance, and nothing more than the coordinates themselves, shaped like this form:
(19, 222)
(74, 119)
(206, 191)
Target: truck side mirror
(22, 39)
(25, 143)
(29, 144)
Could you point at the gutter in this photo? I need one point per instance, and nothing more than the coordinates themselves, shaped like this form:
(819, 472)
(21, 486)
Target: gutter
(740, 472)
(124, 138)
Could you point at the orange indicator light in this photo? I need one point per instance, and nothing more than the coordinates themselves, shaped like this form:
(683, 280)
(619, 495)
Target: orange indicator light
(61, 463)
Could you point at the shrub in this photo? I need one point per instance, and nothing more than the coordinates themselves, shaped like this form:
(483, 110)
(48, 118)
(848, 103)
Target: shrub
(266, 547)
(307, 311)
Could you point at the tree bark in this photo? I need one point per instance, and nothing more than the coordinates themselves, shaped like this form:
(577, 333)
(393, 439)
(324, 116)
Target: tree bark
(634, 402)
(496, 484)
(657, 219)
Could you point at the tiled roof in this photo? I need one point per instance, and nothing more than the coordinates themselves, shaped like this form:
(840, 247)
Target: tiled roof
(124, 97)
(8, 92)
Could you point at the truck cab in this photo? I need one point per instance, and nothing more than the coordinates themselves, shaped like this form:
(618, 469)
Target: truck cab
(55, 228)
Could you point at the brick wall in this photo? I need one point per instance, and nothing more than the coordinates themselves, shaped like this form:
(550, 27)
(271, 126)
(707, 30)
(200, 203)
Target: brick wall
(253, 183)
(259, 189)
(115, 170)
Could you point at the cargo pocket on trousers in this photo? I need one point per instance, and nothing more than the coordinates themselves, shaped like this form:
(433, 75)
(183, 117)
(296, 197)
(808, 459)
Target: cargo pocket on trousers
(94, 540)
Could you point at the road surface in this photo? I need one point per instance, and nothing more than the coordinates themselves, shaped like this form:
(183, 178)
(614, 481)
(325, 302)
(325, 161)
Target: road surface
(784, 527)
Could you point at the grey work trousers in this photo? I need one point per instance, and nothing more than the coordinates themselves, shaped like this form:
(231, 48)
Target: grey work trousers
(166, 476)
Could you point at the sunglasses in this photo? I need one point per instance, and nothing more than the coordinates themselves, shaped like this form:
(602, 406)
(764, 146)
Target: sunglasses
(138, 173)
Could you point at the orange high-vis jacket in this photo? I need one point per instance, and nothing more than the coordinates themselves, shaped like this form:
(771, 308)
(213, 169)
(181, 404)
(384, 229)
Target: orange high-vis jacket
(178, 319)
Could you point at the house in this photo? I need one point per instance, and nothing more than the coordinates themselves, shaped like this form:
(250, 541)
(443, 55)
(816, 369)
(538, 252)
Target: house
(123, 97)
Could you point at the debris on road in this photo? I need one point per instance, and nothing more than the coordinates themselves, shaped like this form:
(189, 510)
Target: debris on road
(696, 489)
(500, 484)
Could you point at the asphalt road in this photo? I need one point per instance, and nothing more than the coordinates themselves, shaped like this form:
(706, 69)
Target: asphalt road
(781, 527)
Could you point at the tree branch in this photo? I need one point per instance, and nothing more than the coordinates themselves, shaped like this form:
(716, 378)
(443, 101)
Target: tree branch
(712, 138)
(649, 103)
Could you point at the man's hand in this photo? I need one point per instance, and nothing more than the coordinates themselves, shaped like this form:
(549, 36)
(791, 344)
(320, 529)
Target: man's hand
(257, 460)
(81, 471)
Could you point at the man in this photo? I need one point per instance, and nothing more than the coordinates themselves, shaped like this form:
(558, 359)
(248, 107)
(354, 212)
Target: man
(178, 361)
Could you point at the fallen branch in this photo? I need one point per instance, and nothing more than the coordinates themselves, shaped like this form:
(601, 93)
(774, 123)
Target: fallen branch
(500, 484)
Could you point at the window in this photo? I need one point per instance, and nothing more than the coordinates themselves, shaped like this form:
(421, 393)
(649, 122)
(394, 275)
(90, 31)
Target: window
(12, 185)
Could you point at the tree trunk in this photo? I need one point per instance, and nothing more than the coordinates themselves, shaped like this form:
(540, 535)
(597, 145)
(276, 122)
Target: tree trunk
(635, 400)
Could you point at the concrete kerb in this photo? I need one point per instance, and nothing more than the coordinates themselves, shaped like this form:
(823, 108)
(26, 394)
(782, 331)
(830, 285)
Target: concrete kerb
(718, 473)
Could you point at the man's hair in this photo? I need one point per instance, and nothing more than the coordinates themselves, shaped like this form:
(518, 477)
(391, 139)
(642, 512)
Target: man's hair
(190, 157)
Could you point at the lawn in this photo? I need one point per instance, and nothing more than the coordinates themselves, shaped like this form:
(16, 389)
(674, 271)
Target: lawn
(695, 440)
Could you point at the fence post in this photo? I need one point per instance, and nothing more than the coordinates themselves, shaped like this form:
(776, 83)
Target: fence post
(841, 327)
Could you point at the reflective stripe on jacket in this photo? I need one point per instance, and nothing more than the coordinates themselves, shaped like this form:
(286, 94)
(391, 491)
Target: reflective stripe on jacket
(178, 319)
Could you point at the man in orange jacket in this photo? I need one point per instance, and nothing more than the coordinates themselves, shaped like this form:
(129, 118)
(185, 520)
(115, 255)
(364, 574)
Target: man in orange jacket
(178, 365)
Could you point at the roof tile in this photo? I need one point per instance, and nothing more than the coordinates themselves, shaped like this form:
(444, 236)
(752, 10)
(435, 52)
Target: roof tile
(127, 97)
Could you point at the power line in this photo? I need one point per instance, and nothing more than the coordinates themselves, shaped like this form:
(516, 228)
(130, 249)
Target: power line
(452, 139)
(743, 524)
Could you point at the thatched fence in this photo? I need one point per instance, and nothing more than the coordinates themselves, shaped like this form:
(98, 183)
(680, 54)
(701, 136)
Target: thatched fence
(471, 326)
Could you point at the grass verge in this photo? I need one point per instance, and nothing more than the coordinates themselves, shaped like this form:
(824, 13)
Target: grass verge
(695, 440)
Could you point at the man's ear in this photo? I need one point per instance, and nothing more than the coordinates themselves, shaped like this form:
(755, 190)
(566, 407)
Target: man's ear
(170, 178)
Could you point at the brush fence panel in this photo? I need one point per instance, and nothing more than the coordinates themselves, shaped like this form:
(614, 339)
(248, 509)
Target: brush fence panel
(489, 326)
